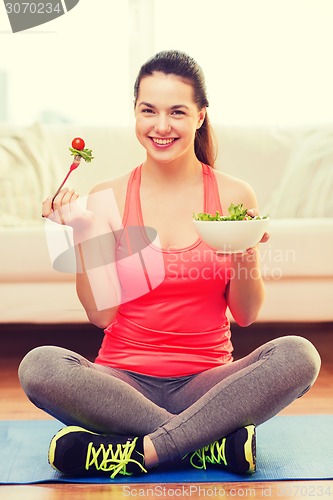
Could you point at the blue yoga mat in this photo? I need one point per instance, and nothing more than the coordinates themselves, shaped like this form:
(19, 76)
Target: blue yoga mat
(288, 447)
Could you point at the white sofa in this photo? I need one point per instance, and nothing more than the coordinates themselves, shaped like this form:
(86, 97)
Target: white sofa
(297, 261)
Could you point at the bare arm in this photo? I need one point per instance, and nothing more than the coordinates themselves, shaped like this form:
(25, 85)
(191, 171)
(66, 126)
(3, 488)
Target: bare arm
(96, 276)
(245, 291)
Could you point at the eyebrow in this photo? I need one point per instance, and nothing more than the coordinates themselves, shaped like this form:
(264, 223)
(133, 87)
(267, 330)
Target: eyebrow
(175, 106)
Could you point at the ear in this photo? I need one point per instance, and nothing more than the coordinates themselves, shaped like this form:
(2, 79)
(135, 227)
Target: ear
(201, 117)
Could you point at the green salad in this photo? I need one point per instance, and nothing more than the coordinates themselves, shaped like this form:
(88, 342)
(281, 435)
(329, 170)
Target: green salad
(86, 154)
(236, 212)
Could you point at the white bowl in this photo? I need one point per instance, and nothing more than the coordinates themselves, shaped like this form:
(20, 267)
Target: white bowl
(231, 236)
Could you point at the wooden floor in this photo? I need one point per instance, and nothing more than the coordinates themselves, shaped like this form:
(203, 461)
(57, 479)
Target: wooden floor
(14, 405)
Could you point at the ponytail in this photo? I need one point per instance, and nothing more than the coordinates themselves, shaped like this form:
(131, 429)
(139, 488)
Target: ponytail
(205, 144)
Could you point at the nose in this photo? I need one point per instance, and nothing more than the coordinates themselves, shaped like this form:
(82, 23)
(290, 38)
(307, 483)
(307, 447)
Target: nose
(162, 125)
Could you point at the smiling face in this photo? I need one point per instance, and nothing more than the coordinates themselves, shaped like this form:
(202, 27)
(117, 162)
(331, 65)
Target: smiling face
(167, 118)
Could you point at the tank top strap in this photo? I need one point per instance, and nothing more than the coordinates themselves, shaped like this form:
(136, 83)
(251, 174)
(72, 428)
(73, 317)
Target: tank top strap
(132, 209)
(212, 201)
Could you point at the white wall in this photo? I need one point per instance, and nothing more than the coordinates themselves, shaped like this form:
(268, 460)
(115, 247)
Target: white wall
(266, 61)
(76, 66)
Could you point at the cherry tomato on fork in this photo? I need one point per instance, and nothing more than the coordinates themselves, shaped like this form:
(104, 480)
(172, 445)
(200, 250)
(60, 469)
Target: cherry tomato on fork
(78, 143)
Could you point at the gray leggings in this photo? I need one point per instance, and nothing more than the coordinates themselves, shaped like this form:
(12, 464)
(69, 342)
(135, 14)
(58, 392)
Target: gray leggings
(179, 414)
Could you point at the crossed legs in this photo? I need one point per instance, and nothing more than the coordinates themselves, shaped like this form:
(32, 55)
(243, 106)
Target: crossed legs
(208, 406)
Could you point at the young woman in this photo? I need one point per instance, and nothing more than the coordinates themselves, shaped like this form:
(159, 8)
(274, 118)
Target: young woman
(164, 388)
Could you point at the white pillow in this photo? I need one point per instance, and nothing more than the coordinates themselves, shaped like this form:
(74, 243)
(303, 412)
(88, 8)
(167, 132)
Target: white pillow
(306, 188)
(28, 173)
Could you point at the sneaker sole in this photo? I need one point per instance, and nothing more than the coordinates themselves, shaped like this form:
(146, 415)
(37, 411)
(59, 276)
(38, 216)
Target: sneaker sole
(249, 448)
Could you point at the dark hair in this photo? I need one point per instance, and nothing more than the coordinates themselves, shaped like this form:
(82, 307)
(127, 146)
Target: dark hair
(181, 64)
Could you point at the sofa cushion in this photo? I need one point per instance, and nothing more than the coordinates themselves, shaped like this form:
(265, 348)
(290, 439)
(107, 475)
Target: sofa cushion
(306, 187)
(258, 155)
(299, 248)
(28, 173)
(25, 257)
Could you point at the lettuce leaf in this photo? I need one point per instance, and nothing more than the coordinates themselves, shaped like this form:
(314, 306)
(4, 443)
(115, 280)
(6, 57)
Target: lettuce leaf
(86, 154)
(236, 212)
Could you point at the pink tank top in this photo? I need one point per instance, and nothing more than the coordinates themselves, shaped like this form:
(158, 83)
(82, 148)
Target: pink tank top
(172, 319)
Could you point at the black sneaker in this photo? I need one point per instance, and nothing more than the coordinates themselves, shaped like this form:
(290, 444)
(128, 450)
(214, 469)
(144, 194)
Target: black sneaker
(77, 451)
(236, 452)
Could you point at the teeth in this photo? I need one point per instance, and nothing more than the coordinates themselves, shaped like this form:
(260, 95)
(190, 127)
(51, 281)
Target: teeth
(162, 141)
